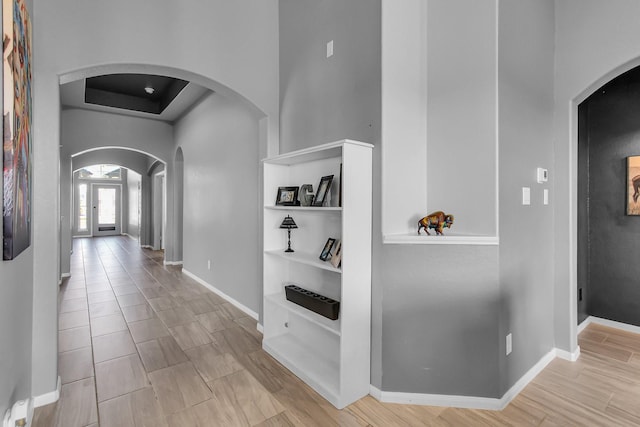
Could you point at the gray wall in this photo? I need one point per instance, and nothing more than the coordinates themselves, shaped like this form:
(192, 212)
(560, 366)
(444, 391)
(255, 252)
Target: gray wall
(219, 140)
(612, 133)
(16, 294)
(16, 317)
(440, 313)
(526, 40)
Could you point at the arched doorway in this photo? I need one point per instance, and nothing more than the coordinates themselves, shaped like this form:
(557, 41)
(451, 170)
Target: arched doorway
(609, 135)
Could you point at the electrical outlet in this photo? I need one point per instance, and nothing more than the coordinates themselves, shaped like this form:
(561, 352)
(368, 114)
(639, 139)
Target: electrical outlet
(209, 264)
(509, 344)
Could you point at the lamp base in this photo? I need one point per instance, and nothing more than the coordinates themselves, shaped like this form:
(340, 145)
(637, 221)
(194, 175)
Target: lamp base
(289, 250)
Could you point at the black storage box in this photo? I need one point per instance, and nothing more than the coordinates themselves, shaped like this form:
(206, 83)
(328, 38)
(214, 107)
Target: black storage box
(310, 300)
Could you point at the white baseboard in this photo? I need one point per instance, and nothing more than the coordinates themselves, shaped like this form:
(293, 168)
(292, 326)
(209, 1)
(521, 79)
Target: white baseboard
(260, 328)
(146, 246)
(571, 357)
(217, 291)
(436, 399)
(62, 277)
(172, 262)
(47, 398)
(469, 402)
(586, 322)
(611, 324)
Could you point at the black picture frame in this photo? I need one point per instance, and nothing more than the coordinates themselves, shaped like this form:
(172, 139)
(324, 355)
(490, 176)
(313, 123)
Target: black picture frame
(323, 190)
(326, 250)
(287, 196)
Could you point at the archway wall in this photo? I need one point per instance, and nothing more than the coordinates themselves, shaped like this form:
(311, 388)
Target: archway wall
(134, 143)
(602, 46)
(223, 45)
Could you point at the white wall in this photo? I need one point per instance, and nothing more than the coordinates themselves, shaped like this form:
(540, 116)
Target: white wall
(240, 57)
(219, 139)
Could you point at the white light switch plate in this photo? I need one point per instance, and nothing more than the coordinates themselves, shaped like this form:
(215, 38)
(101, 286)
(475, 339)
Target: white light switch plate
(330, 49)
(526, 196)
(545, 198)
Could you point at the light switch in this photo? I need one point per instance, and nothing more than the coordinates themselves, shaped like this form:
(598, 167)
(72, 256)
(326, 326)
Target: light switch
(545, 196)
(330, 49)
(526, 196)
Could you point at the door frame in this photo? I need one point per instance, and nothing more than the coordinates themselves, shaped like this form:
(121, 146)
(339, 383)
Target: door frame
(159, 209)
(94, 216)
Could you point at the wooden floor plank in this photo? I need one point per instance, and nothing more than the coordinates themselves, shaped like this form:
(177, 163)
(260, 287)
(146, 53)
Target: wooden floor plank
(177, 354)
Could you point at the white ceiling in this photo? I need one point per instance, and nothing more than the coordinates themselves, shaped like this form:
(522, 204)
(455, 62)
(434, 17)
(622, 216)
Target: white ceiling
(72, 96)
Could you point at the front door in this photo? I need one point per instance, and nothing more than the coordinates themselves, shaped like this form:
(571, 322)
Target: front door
(106, 210)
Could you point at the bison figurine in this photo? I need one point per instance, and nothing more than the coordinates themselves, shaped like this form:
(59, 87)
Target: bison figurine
(437, 220)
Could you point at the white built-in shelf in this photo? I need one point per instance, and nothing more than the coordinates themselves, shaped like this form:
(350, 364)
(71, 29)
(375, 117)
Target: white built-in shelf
(320, 373)
(304, 258)
(331, 356)
(280, 299)
(320, 152)
(305, 208)
(446, 239)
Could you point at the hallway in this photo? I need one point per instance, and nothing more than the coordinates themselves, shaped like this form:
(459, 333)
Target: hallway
(139, 342)
(142, 345)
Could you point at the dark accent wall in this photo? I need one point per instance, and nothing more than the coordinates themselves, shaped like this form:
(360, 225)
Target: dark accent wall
(583, 213)
(609, 239)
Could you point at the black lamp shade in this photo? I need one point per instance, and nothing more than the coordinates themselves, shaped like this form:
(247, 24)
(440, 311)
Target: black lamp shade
(288, 223)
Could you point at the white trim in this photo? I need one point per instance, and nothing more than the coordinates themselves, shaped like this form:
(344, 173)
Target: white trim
(612, 324)
(260, 328)
(215, 290)
(47, 398)
(130, 236)
(469, 402)
(571, 357)
(172, 262)
(586, 322)
(146, 246)
(62, 277)
(528, 377)
(448, 239)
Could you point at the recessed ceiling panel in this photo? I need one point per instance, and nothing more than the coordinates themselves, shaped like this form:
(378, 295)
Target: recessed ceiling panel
(135, 92)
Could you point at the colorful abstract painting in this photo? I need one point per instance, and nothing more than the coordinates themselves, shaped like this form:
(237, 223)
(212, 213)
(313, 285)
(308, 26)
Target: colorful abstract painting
(16, 150)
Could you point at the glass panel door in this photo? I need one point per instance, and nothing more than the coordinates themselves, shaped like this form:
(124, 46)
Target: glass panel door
(106, 210)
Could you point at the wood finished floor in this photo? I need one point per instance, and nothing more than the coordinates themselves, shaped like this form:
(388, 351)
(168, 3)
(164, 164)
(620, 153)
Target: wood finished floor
(142, 345)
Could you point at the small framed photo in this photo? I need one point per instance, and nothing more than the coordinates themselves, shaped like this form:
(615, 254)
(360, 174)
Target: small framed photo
(326, 251)
(323, 190)
(336, 259)
(287, 196)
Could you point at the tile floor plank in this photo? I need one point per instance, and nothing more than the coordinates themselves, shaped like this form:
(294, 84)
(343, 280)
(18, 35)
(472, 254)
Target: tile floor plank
(143, 377)
(120, 376)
